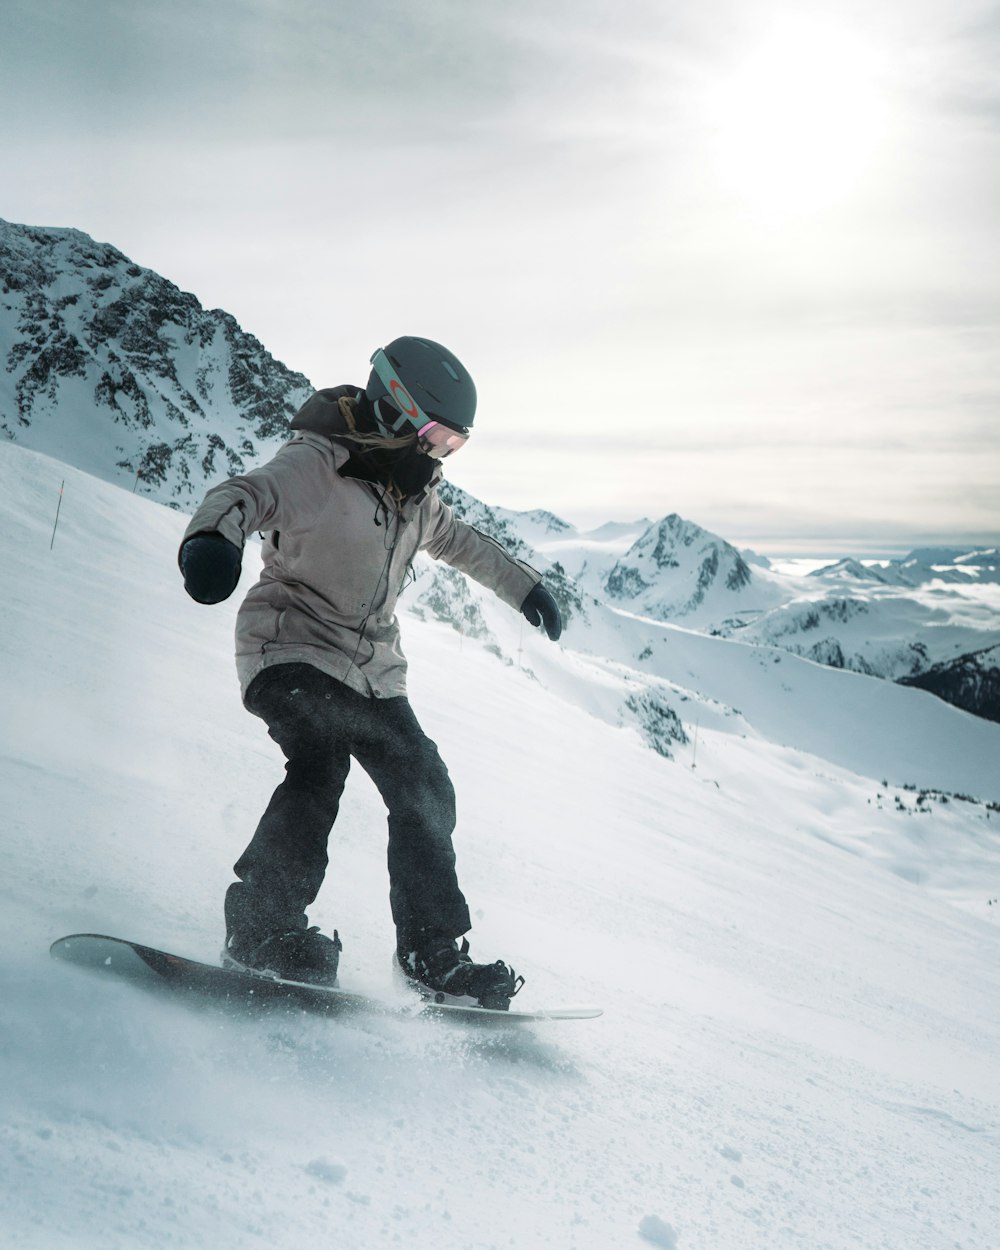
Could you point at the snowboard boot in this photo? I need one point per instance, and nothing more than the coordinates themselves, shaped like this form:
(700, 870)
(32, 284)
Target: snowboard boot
(295, 955)
(443, 972)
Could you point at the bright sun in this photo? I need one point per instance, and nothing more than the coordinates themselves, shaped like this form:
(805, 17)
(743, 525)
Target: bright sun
(799, 120)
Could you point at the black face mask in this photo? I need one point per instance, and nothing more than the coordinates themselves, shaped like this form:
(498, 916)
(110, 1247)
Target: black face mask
(406, 468)
(411, 470)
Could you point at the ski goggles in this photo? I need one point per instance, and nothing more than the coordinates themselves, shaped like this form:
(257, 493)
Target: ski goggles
(435, 439)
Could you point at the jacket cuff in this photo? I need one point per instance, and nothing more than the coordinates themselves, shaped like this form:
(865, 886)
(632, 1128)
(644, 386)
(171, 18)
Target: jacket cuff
(227, 521)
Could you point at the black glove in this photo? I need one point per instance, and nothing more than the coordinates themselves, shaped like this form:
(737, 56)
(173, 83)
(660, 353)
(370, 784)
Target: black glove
(211, 567)
(541, 609)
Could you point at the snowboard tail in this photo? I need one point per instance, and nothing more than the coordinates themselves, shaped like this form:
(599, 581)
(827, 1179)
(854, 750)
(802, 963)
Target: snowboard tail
(158, 970)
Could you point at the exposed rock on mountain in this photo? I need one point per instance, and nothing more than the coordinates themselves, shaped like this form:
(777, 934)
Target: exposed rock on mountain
(657, 721)
(949, 564)
(879, 636)
(971, 682)
(938, 556)
(676, 568)
(854, 570)
(496, 523)
(927, 564)
(445, 595)
(506, 528)
(537, 522)
(118, 371)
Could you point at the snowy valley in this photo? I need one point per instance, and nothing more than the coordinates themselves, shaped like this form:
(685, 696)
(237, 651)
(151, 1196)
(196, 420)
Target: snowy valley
(780, 877)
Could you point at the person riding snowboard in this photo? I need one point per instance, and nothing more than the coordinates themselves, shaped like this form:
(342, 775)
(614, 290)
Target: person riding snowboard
(344, 507)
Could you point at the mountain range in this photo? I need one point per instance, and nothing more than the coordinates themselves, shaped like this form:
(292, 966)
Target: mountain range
(110, 367)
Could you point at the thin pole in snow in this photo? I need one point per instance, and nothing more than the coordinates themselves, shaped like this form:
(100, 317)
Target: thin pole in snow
(135, 484)
(694, 758)
(58, 507)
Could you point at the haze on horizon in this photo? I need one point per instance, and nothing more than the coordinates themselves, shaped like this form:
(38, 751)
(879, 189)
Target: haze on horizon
(735, 264)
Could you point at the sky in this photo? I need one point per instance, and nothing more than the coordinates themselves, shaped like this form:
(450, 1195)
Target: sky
(740, 262)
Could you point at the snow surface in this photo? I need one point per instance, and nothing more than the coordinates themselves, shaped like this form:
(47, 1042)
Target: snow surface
(799, 963)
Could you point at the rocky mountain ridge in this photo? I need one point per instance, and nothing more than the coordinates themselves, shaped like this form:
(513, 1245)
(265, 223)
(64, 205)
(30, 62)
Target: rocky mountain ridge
(928, 564)
(125, 374)
(699, 565)
(970, 681)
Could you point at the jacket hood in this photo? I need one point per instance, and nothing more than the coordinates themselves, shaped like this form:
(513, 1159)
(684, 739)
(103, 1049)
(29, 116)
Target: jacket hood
(322, 412)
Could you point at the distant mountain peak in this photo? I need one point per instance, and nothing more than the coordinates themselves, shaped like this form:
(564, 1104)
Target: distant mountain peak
(852, 570)
(970, 554)
(616, 529)
(547, 521)
(672, 568)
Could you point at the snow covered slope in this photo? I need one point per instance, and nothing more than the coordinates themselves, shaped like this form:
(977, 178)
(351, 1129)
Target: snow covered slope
(799, 964)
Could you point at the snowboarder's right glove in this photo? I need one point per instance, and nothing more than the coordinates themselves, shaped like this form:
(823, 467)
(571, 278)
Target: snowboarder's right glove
(541, 609)
(211, 567)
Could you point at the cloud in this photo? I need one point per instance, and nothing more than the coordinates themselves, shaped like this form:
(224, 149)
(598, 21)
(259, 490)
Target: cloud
(541, 185)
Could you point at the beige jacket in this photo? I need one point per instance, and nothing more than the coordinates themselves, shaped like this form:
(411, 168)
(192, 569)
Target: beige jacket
(336, 555)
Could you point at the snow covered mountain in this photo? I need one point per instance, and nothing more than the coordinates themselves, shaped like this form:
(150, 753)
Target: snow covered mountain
(891, 619)
(111, 368)
(899, 620)
(115, 370)
(971, 681)
(706, 576)
(929, 564)
(944, 563)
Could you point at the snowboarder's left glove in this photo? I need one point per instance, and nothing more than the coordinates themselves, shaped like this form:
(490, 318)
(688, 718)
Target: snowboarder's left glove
(541, 609)
(211, 567)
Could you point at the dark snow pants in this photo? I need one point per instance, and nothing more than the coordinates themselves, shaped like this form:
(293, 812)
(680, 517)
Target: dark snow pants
(320, 723)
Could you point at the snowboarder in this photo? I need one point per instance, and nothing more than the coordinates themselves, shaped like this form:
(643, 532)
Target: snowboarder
(344, 507)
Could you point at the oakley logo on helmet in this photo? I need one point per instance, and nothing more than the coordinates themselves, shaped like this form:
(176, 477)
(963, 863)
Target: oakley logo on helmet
(403, 401)
(397, 392)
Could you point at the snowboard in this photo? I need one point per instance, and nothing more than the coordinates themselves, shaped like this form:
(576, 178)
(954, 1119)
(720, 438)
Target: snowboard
(158, 970)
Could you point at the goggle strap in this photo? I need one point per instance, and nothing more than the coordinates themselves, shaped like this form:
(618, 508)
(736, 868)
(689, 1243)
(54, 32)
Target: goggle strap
(398, 425)
(387, 376)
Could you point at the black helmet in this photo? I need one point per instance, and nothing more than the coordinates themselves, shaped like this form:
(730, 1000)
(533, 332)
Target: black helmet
(424, 381)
